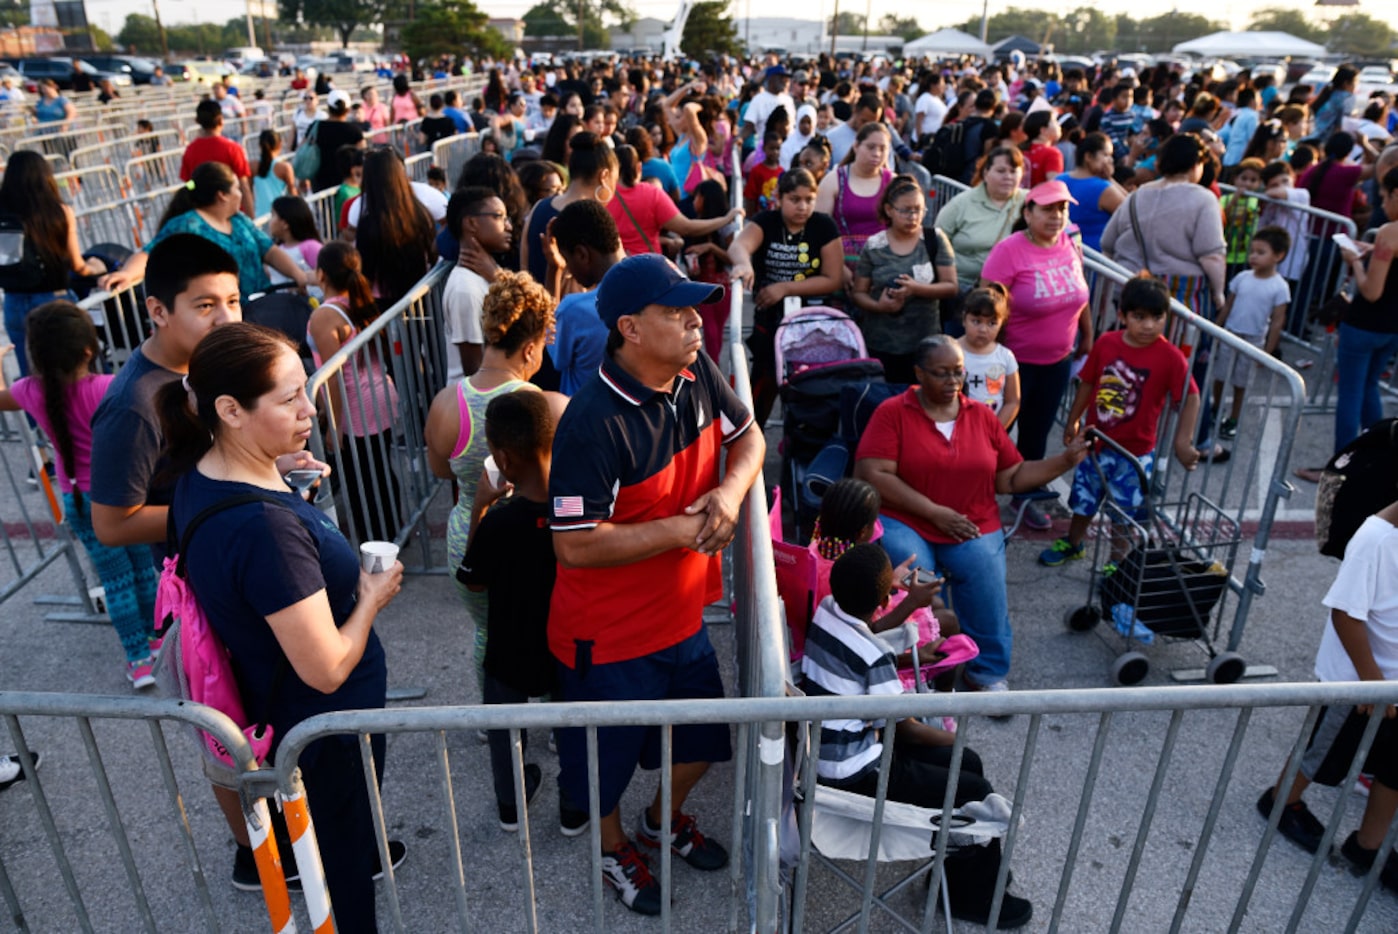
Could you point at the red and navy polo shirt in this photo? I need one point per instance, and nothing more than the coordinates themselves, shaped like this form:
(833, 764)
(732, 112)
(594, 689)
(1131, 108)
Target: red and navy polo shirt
(624, 453)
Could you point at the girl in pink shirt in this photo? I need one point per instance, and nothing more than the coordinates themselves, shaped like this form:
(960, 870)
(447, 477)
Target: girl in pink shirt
(61, 396)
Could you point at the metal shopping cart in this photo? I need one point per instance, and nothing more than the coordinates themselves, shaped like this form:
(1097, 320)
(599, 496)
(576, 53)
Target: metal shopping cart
(1159, 573)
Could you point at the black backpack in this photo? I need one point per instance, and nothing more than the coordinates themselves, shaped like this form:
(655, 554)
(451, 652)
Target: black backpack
(1358, 482)
(945, 154)
(21, 267)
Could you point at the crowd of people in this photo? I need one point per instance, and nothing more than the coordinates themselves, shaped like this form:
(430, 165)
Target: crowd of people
(584, 416)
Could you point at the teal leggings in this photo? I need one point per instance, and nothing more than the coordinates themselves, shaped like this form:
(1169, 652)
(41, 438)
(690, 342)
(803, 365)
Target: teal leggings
(128, 577)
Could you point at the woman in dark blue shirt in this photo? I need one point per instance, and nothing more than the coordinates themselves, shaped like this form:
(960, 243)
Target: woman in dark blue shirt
(280, 585)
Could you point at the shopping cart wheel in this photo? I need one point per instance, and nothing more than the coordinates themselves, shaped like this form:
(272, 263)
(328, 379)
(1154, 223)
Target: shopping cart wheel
(1081, 619)
(1130, 668)
(1226, 668)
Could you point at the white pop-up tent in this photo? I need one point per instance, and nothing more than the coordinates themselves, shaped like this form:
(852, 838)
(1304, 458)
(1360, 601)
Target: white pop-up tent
(946, 42)
(1250, 45)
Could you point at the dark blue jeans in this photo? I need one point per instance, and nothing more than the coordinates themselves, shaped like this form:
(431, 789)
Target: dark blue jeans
(18, 305)
(1359, 360)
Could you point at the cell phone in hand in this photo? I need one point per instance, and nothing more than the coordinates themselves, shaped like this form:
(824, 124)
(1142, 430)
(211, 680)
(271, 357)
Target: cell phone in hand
(1345, 242)
(921, 576)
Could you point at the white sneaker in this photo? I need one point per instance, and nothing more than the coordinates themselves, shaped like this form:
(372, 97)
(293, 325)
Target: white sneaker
(12, 771)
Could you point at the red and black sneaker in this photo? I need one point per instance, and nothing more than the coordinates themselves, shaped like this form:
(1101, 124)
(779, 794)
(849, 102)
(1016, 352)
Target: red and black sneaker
(627, 873)
(687, 842)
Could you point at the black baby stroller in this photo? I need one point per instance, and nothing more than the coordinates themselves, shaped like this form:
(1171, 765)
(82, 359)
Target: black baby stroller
(819, 352)
(283, 308)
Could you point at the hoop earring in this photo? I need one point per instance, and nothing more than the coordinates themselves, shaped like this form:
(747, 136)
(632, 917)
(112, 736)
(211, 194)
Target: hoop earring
(597, 193)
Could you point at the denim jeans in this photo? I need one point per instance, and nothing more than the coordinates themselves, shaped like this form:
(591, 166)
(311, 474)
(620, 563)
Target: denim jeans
(18, 305)
(975, 573)
(1359, 360)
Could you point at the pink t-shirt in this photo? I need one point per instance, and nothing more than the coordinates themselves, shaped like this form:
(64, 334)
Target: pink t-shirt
(650, 207)
(1047, 294)
(82, 399)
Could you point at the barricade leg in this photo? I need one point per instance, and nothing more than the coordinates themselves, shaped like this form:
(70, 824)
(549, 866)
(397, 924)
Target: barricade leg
(303, 843)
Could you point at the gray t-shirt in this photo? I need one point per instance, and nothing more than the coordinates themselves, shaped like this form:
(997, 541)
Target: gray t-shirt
(126, 437)
(1179, 223)
(1253, 301)
(899, 333)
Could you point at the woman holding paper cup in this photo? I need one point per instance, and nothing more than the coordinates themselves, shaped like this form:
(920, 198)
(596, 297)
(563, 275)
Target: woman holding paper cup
(279, 583)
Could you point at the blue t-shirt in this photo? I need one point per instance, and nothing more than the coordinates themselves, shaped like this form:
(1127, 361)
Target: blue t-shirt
(579, 340)
(251, 561)
(246, 244)
(1090, 218)
(662, 171)
(458, 118)
(127, 442)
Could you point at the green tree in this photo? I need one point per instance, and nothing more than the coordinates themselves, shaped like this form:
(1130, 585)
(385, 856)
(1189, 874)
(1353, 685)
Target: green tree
(1361, 34)
(1013, 21)
(847, 23)
(139, 32)
(906, 28)
(343, 16)
(1280, 19)
(450, 26)
(710, 31)
(14, 13)
(1086, 29)
(101, 41)
(560, 18)
(1161, 33)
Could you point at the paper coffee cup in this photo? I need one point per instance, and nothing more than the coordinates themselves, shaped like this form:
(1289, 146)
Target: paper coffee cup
(377, 557)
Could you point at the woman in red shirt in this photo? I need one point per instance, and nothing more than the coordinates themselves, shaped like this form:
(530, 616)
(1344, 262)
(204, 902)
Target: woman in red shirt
(1045, 161)
(642, 210)
(938, 460)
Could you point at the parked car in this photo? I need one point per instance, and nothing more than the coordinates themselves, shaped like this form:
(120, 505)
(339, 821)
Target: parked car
(204, 72)
(343, 62)
(138, 69)
(1317, 78)
(34, 70)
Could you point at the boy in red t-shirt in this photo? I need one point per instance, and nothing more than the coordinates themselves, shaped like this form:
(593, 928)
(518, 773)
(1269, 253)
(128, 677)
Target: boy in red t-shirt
(1045, 161)
(1127, 378)
(760, 192)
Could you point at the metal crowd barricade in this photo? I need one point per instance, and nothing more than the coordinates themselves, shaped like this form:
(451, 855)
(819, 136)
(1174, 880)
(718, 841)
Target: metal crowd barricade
(1253, 483)
(322, 205)
(91, 187)
(452, 153)
(119, 152)
(155, 170)
(130, 222)
(30, 540)
(66, 141)
(417, 166)
(67, 808)
(1068, 740)
(384, 483)
(122, 322)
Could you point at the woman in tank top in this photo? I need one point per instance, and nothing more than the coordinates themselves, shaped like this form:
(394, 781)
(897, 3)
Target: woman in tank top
(852, 193)
(517, 320)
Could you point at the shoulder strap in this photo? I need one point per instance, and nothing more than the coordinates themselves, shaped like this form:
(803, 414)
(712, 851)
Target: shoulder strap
(650, 248)
(204, 514)
(1136, 229)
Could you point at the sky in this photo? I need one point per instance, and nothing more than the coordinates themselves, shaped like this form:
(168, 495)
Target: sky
(109, 14)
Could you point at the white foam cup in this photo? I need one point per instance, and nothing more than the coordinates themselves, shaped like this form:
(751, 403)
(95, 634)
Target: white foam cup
(377, 557)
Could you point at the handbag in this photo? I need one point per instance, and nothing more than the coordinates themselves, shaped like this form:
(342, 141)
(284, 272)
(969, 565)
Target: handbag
(306, 162)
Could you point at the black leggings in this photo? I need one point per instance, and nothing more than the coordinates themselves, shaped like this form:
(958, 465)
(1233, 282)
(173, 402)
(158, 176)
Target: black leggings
(1041, 388)
(919, 776)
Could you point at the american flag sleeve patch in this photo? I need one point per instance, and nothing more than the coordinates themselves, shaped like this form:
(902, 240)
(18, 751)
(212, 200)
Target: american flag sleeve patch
(567, 507)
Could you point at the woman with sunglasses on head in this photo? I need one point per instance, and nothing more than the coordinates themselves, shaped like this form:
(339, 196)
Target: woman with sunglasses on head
(902, 273)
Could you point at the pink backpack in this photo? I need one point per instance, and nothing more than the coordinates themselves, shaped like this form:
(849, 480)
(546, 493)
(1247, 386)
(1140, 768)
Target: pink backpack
(194, 663)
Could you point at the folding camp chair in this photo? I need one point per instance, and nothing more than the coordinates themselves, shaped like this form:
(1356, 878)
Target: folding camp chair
(844, 826)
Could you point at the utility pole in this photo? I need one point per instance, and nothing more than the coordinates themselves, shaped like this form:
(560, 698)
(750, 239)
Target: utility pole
(252, 33)
(868, 13)
(581, 21)
(985, 21)
(834, 28)
(160, 28)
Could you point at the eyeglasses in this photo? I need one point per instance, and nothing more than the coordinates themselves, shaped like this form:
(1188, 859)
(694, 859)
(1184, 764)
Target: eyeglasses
(946, 376)
(910, 212)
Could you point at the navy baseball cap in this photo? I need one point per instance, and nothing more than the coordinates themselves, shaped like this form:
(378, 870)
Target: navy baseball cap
(777, 71)
(648, 279)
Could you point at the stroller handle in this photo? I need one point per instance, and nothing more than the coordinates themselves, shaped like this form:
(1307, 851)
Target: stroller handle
(1092, 434)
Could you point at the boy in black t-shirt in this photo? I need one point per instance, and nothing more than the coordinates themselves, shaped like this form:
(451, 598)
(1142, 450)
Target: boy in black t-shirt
(510, 554)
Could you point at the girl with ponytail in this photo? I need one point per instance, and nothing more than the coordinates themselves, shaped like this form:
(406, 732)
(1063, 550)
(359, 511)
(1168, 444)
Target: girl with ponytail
(363, 402)
(61, 396)
(272, 179)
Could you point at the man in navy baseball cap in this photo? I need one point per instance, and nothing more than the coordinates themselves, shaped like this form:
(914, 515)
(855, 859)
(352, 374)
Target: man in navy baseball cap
(637, 282)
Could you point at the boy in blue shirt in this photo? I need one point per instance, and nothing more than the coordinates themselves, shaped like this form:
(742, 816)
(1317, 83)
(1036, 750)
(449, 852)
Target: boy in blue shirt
(588, 241)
